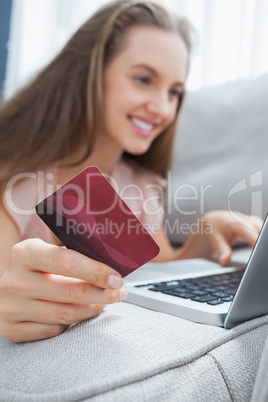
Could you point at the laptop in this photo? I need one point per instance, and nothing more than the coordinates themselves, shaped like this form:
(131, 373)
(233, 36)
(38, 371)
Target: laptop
(203, 291)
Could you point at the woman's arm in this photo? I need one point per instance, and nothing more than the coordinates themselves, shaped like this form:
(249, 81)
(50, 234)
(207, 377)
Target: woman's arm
(9, 236)
(216, 234)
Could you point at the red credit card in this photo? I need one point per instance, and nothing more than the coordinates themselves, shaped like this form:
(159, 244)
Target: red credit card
(90, 217)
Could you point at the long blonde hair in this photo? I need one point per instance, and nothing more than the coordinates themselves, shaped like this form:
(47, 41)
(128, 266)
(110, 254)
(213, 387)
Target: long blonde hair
(62, 107)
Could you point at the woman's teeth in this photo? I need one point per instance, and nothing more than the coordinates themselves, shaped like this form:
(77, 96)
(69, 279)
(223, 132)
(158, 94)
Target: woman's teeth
(142, 125)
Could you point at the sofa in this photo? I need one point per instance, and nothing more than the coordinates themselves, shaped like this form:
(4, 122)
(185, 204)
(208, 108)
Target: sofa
(129, 353)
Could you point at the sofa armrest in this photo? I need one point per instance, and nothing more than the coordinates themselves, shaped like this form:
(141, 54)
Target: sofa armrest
(128, 353)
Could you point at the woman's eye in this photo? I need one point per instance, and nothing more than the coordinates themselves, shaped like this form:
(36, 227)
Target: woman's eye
(175, 93)
(142, 79)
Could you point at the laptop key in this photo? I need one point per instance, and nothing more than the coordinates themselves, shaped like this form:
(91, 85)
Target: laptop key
(183, 295)
(220, 294)
(204, 299)
(215, 302)
(200, 293)
(160, 288)
(173, 283)
(141, 286)
(231, 291)
(228, 299)
(209, 290)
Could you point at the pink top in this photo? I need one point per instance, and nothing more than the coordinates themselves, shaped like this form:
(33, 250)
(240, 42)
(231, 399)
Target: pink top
(141, 189)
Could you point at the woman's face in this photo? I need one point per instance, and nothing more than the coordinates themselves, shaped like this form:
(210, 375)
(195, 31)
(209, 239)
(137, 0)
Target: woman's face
(142, 86)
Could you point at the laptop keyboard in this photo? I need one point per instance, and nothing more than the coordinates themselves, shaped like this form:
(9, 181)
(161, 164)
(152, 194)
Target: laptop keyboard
(212, 289)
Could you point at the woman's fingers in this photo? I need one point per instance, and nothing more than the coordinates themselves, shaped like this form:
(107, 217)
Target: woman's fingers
(257, 223)
(226, 228)
(40, 256)
(31, 331)
(250, 221)
(222, 247)
(247, 233)
(55, 313)
(56, 288)
(46, 288)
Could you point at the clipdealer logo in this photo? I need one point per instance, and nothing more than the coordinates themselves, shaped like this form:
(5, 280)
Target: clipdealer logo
(253, 186)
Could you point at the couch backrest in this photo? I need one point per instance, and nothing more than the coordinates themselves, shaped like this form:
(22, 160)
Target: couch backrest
(220, 154)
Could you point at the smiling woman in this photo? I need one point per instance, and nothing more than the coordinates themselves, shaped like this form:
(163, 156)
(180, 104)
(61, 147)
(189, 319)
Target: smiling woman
(111, 99)
(67, 96)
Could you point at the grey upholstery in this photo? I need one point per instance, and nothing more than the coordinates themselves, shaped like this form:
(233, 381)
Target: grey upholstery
(260, 393)
(128, 353)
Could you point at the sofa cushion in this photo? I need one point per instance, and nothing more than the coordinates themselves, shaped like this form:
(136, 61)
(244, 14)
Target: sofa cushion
(260, 392)
(220, 154)
(134, 354)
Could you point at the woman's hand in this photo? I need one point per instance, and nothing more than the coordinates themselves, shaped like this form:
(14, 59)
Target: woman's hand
(46, 288)
(217, 232)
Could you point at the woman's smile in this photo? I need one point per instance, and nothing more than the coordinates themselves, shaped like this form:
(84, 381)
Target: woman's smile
(141, 126)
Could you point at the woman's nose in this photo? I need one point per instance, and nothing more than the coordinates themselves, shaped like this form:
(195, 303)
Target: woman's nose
(161, 106)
